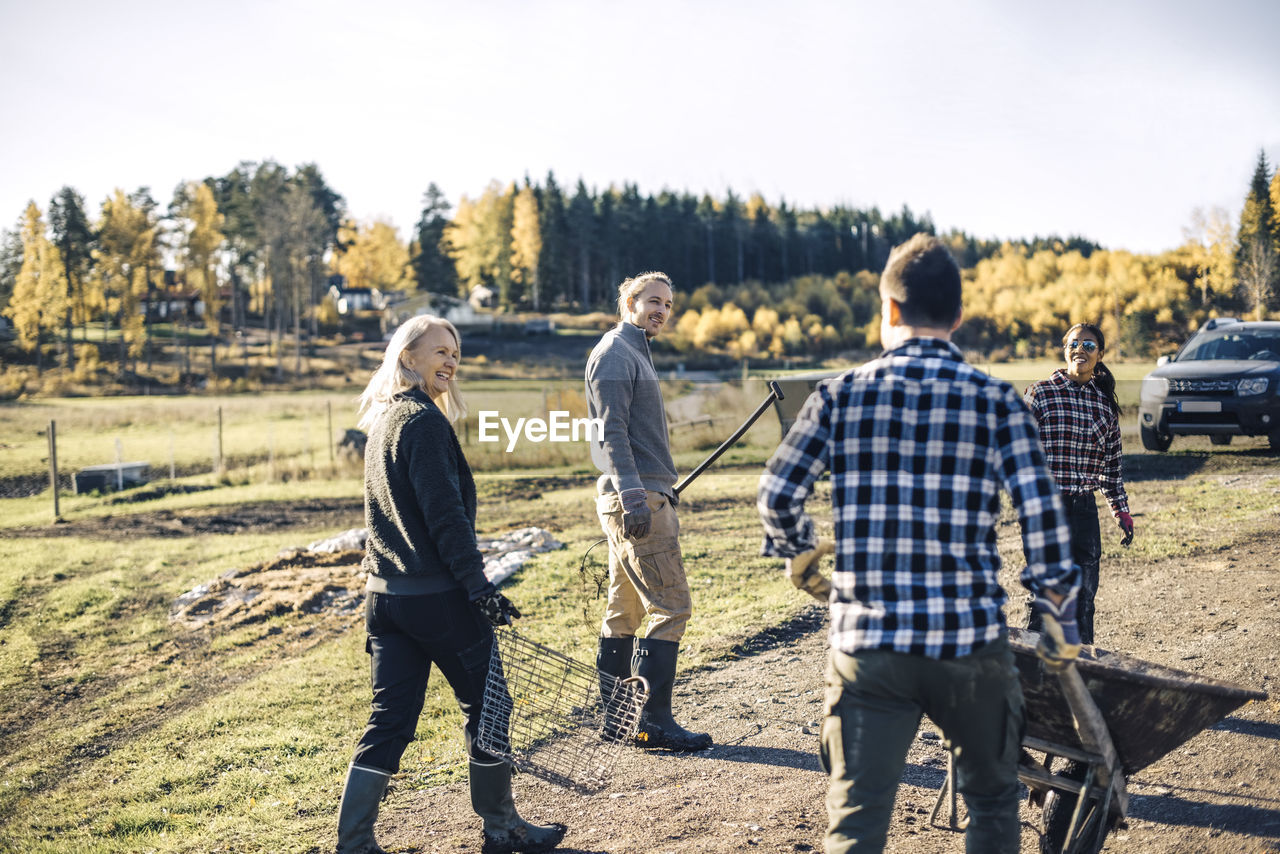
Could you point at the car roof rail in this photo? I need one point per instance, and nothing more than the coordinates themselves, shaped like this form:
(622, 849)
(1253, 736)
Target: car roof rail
(1215, 322)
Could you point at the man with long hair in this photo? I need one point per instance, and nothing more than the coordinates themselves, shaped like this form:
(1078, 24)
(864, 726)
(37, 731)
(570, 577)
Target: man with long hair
(636, 505)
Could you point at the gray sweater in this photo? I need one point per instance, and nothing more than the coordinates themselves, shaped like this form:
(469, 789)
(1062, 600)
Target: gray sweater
(419, 503)
(623, 391)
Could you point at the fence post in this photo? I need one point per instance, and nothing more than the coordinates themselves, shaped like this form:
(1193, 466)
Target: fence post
(329, 406)
(53, 467)
(218, 468)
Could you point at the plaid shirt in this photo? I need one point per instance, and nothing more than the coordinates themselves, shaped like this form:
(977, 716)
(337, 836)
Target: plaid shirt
(1081, 437)
(918, 444)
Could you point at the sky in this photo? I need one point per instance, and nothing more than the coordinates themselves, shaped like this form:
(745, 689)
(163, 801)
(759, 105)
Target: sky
(1111, 120)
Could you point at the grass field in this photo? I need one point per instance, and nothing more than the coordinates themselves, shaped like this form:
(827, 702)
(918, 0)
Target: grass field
(122, 733)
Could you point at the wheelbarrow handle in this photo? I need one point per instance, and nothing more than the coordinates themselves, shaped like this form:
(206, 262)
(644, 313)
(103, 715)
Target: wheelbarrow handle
(775, 393)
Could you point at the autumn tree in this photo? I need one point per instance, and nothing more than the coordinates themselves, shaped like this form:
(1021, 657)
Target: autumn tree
(526, 244)
(39, 296)
(1212, 247)
(200, 240)
(127, 251)
(372, 256)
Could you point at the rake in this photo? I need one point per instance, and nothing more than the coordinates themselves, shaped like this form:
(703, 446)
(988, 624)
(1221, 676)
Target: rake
(556, 718)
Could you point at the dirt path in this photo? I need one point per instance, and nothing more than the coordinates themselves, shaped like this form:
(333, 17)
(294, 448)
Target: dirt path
(760, 788)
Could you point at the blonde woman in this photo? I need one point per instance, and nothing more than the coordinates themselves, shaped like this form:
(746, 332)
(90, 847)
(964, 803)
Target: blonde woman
(427, 599)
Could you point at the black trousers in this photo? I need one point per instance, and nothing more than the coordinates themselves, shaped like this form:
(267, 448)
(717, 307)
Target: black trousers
(1086, 551)
(407, 634)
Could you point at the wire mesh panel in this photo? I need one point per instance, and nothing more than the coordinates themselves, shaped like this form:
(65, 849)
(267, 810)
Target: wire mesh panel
(544, 713)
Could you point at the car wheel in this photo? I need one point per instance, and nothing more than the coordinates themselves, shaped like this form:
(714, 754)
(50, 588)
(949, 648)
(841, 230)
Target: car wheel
(1220, 438)
(1155, 441)
(1274, 439)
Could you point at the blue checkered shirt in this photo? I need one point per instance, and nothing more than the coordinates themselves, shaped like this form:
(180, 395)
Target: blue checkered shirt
(919, 445)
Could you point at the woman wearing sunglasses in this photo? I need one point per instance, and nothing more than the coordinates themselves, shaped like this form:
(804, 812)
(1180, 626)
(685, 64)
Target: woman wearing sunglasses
(1079, 418)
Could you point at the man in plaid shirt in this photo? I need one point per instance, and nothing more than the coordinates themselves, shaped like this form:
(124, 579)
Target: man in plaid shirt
(919, 445)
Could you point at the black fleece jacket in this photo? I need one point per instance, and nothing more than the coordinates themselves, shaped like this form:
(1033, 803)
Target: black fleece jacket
(419, 503)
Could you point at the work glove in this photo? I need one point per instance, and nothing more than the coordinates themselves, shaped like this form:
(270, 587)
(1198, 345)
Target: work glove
(495, 607)
(803, 570)
(1060, 638)
(1126, 525)
(636, 515)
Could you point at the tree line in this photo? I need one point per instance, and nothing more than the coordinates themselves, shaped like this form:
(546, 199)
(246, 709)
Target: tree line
(258, 245)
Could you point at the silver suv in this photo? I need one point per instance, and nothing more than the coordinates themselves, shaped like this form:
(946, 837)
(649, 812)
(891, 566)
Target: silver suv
(1223, 382)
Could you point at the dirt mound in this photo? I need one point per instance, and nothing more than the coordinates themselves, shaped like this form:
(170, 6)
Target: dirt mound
(326, 576)
(296, 581)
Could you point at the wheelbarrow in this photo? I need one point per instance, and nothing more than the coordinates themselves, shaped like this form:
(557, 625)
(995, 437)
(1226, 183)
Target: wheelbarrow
(1107, 717)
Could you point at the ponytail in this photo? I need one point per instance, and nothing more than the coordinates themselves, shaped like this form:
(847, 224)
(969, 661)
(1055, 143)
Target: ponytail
(1106, 383)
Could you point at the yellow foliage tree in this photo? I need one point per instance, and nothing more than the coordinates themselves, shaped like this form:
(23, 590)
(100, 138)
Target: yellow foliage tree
(374, 257)
(39, 299)
(526, 244)
(202, 238)
(126, 251)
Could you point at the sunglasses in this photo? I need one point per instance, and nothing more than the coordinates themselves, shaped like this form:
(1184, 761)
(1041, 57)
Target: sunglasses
(1087, 346)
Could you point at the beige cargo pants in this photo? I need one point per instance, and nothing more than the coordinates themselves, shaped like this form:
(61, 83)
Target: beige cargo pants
(646, 577)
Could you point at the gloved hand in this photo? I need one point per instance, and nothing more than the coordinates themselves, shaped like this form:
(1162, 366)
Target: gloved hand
(803, 570)
(1126, 525)
(636, 515)
(495, 607)
(1060, 640)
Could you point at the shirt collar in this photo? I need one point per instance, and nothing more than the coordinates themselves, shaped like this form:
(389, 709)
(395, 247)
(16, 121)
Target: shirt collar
(926, 347)
(634, 336)
(1062, 378)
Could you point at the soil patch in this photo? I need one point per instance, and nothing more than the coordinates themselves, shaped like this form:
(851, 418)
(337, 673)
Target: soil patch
(252, 517)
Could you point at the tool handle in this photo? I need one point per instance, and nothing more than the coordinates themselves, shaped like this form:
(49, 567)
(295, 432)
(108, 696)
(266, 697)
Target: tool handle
(775, 393)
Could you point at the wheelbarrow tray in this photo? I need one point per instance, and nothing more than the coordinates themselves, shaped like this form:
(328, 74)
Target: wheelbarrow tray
(1149, 709)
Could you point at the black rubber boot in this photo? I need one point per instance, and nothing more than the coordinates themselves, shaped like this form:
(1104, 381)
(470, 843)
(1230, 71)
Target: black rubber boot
(613, 659)
(359, 810)
(655, 660)
(505, 832)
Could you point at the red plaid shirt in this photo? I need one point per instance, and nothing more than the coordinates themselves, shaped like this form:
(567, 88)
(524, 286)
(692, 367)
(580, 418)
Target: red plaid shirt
(1081, 437)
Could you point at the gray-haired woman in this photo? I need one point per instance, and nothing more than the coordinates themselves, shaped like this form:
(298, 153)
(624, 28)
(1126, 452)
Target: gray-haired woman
(427, 598)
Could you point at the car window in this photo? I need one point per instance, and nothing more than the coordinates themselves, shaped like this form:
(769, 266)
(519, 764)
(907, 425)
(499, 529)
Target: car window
(1232, 345)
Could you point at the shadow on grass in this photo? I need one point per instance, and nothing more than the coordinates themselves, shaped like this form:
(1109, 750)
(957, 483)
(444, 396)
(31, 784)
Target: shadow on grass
(1178, 465)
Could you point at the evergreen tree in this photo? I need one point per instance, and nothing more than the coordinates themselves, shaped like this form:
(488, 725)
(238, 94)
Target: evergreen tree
(582, 236)
(74, 237)
(235, 202)
(433, 269)
(10, 263)
(554, 269)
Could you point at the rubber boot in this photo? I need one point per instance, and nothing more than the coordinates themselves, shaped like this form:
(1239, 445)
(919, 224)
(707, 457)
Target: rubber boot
(505, 832)
(613, 659)
(359, 810)
(655, 660)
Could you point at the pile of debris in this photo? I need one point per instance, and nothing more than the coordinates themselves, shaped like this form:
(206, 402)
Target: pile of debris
(324, 577)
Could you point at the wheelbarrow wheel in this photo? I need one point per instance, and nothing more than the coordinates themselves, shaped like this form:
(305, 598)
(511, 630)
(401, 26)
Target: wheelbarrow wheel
(1058, 809)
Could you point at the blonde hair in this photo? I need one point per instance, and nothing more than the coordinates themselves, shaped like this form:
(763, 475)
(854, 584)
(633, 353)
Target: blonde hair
(394, 376)
(631, 288)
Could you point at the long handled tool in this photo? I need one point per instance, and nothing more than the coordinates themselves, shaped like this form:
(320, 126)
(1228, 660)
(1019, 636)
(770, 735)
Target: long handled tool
(775, 393)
